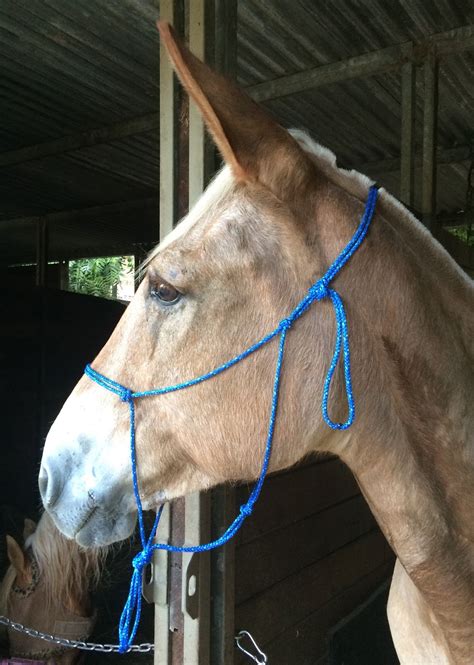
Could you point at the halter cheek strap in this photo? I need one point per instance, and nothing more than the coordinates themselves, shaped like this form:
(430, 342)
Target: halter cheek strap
(319, 291)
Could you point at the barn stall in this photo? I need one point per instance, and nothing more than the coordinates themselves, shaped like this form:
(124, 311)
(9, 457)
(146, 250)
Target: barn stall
(101, 157)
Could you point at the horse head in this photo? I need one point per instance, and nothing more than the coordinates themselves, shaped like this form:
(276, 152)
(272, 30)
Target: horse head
(236, 265)
(47, 586)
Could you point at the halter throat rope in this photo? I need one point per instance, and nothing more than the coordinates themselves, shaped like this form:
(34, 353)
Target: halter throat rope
(320, 290)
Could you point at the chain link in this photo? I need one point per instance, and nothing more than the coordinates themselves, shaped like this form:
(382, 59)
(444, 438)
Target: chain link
(146, 647)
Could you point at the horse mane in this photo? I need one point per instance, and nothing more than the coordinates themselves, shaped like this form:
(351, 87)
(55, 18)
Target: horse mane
(64, 566)
(395, 213)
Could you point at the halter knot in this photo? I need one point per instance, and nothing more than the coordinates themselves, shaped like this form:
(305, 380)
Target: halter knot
(126, 395)
(285, 324)
(142, 559)
(246, 510)
(319, 290)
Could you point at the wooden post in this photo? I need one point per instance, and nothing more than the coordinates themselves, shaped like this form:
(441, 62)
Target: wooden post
(407, 152)
(168, 190)
(41, 251)
(430, 113)
(223, 55)
(195, 580)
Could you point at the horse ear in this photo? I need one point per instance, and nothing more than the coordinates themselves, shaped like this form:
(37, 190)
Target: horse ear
(255, 146)
(16, 556)
(29, 527)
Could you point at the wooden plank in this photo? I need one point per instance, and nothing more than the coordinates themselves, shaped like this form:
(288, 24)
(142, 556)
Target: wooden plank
(281, 553)
(118, 130)
(293, 599)
(407, 138)
(306, 641)
(297, 494)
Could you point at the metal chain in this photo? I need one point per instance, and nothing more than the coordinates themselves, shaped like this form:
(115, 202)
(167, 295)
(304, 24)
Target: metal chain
(146, 647)
(260, 658)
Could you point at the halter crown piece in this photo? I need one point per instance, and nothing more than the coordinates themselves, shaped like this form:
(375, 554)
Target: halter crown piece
(320, 290)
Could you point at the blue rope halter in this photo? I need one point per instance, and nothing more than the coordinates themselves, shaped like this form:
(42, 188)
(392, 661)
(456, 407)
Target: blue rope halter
(131, 613)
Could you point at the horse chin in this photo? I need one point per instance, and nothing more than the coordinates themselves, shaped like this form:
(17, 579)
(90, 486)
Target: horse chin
(95, 528)
(101, 529)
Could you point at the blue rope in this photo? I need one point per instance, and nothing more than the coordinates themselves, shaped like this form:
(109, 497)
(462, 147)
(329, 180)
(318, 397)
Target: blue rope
(130, 617)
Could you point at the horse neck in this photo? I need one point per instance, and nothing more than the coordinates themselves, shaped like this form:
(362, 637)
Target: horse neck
(410, 449)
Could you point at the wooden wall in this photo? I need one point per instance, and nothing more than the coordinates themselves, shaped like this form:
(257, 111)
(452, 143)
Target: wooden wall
(311, 554)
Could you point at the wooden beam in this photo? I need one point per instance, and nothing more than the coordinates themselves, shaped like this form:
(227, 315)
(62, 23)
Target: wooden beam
(85, 214)
(458, 40)
(375, 62)
(453, 155)
(430, 116)
(65, 144)
(367, 64)
(407, 138)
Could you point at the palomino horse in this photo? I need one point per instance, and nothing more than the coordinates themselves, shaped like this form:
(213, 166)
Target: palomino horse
(267, 227)
(47, 587)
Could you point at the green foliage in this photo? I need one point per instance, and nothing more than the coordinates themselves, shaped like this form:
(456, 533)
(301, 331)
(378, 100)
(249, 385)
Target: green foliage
(464, 233)
(99, 277)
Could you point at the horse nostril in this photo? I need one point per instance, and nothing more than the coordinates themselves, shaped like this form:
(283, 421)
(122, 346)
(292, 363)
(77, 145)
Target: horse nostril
(48, 487)
(43, 482)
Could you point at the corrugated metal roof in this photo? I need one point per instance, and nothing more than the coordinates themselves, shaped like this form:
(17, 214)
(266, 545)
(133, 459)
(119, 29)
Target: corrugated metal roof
(68, 67)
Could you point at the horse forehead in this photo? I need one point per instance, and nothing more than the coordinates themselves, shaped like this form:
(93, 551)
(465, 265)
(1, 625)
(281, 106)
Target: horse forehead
(228, 227)
(194, 224)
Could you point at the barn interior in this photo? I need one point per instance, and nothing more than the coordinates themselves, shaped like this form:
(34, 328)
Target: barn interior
(387, 86)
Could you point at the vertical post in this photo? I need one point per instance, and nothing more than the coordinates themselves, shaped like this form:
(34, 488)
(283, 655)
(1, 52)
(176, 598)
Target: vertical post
(407, 152)
(41, 251)
(195, 580)
(222, 578)
(222, 564)
(430, 113)
(167, 131)
(167, 220)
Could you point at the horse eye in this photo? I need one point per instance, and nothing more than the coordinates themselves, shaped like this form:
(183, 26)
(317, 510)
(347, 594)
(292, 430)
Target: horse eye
(165, 293)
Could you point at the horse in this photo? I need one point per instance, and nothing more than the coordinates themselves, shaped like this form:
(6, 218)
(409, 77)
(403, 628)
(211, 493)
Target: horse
(47, 587)
(269, 224)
